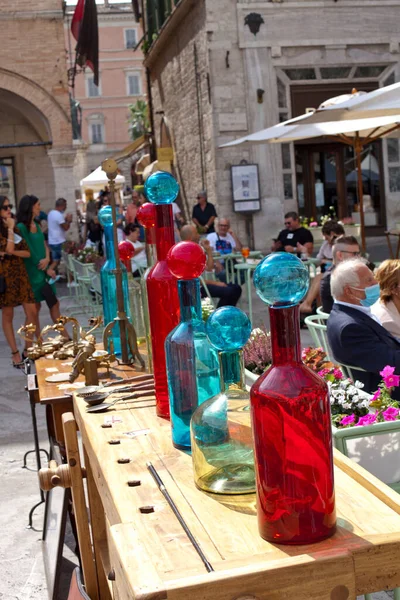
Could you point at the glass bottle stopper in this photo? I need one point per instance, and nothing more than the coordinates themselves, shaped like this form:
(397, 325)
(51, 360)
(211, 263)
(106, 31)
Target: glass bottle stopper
(186, 260)
(281, 280)
(161, 188)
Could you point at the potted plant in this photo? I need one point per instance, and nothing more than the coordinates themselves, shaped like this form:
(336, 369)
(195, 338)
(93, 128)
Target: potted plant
(366, 427)
(257, 355)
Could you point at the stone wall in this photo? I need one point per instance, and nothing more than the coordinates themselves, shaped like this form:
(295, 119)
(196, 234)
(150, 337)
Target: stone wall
(180, 89)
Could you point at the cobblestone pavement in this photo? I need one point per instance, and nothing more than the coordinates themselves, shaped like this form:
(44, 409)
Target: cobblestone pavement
(21, 566)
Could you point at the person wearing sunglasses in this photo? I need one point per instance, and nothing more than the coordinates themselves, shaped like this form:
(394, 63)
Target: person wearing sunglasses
(294, 238)
(204, 214)
(344, 248)
(15, 289)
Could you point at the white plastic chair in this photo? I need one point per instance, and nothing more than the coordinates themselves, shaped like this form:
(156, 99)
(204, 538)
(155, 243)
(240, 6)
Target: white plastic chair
(316, 325)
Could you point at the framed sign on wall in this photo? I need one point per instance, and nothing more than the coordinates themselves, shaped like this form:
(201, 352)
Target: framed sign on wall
(245, 188)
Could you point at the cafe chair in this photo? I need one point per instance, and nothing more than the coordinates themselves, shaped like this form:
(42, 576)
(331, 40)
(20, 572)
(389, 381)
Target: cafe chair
(316, 325)
(321, 312)
(76, 589)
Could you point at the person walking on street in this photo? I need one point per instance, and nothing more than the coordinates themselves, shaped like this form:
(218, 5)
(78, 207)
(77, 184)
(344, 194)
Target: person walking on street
(15, 289)
(37, 264)
(58, 224)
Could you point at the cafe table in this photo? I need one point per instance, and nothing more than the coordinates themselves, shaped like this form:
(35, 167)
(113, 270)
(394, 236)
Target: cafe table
(142, 551)
(247, 267)
(230, 263)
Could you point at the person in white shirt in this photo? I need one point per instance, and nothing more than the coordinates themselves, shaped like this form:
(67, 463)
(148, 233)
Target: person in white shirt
(225, 241)
(58, 224)
(139, 259)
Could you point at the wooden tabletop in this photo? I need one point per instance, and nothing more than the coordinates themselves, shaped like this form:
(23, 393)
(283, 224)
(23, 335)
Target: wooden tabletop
(153, 558)
(50, 393)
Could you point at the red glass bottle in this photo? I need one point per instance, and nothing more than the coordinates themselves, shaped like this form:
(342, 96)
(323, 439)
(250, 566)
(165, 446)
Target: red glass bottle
(291, 424)
(162, 289)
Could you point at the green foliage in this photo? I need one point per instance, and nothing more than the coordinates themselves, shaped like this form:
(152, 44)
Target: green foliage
(138, 119)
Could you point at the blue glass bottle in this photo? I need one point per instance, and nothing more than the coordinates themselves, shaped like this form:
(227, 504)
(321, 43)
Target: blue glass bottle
(192, 362)
(222, 446)
(108, 283)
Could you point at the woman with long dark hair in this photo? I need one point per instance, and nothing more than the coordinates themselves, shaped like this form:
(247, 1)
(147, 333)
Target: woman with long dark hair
(15, 289)
(37, 264)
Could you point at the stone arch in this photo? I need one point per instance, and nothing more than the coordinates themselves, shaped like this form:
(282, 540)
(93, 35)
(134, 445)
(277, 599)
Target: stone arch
(57, 117)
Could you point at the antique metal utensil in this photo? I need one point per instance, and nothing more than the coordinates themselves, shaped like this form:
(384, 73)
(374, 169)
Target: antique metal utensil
(106, 405)
(95, 399)
(94, 389)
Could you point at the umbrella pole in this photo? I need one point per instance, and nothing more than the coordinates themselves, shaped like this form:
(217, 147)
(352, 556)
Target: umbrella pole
(357, 150)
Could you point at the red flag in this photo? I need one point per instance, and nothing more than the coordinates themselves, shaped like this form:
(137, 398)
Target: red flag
(77, 19)
(87, 48)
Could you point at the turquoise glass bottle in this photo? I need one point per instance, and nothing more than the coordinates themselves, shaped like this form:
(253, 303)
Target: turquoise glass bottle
(222, 445)
(108, 283)
(291, 419)
(192, 362)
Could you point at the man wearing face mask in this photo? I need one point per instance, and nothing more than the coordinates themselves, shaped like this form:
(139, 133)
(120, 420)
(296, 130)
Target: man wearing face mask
(355, 335)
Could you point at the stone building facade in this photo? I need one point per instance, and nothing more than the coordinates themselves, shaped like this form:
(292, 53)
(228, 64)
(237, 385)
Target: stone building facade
(105, 128)
(218, 72)
(36, 151)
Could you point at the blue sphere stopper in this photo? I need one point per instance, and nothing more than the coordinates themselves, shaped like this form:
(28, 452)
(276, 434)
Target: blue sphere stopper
(161, 188)
(105, 216)
(228, 328)
(281, 280)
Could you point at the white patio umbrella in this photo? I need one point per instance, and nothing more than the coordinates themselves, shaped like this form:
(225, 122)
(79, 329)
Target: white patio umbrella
(382, 102)
(97, 180)
(357, 133)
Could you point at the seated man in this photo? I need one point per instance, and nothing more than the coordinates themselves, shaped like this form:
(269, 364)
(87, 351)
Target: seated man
(225, 241)
(345, 247)
(228, 293)
(295, 238)
(354, 334)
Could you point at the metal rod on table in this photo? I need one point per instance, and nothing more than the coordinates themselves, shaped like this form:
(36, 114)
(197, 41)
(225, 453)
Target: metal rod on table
(178, 515)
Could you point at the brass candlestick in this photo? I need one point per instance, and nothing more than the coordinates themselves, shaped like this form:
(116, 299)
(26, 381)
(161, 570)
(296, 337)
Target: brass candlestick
(126, 329)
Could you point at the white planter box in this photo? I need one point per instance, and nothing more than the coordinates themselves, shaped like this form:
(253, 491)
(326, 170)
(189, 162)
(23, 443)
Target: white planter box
(250, 378)
(375, 447)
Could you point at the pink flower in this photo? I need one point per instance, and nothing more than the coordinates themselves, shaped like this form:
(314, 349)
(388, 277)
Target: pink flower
(391, 381)
(348, 420)
(376, 395)
(323, 372)
(313, 224)
(337, 373)
(367, 420)
(387, 371)
(390, 414)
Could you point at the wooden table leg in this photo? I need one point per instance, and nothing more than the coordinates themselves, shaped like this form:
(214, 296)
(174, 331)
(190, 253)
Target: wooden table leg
(99, 535)
(58, 409)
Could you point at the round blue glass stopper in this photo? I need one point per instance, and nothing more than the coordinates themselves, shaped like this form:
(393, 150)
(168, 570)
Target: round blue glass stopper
(105, 216)
(161, 188)
(228, 328)
(281, 280)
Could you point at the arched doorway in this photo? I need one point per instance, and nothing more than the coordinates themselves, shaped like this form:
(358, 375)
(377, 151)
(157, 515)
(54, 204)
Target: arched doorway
(25, 136)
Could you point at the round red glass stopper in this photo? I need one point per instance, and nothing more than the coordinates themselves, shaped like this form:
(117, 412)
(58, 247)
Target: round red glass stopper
(186, 260)
(125, 250)
(146, 215)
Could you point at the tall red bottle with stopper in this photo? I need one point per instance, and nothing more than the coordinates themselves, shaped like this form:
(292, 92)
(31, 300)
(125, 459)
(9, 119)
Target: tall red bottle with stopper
(146, 215)
(162, 189)
(291, 421)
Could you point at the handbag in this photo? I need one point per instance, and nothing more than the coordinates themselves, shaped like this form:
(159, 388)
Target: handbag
(48, 295)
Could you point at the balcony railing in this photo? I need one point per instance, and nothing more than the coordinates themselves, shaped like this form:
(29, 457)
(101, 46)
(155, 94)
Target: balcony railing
(157, 12)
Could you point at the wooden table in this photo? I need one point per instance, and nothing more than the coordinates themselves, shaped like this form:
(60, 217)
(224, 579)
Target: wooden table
(61, 400)
(148, 555)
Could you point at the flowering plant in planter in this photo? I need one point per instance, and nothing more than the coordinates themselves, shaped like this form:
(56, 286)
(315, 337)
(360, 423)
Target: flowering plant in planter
(87, 255)
(384, 407)
(257, 352)
(207, 308)
(71, 248)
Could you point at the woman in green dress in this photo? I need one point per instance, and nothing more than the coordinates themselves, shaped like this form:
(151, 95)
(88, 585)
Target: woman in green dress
(37, 265)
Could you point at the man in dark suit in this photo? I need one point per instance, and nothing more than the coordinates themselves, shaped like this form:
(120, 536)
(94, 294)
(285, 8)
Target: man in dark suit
(355, 336)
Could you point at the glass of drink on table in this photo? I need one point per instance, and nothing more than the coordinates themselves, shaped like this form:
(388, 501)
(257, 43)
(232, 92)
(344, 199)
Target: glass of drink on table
(245, 252)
